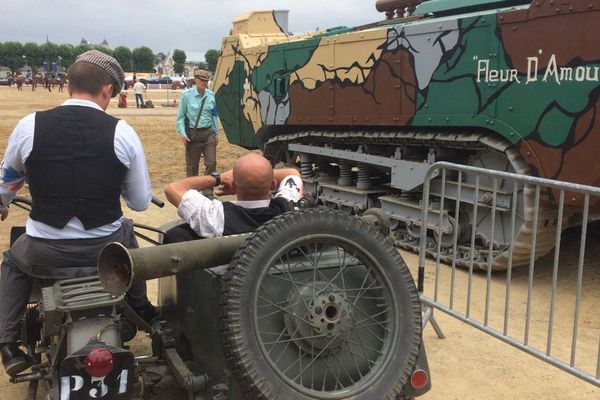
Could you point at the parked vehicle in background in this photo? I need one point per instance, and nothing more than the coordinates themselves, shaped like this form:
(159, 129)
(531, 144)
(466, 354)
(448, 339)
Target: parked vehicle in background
(129, 81)
(165, 80)
(5, 80)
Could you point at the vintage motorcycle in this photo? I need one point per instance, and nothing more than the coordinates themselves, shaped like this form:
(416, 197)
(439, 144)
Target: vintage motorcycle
(313, 305)
(75, 333)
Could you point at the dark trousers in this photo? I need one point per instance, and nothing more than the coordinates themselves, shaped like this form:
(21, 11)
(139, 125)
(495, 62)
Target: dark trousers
(180, 233)
(194, 152)
(139, 100)
(52, 260)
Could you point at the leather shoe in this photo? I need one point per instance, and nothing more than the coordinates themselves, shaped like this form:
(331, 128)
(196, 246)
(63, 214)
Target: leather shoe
(14, 359)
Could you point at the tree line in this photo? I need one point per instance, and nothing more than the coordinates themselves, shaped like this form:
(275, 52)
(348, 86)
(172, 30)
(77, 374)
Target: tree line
(15, 55)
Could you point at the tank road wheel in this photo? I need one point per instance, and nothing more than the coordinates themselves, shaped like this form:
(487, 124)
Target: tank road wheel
(319, 305)
(521, 237)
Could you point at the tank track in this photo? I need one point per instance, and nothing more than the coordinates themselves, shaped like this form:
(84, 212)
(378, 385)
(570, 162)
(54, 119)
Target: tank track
(545, 230)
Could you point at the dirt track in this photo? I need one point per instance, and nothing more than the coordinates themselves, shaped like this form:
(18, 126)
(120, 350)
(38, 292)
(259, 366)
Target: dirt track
(466, 365)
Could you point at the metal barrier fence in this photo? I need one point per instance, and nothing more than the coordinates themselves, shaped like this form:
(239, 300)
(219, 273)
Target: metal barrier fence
(551, 316)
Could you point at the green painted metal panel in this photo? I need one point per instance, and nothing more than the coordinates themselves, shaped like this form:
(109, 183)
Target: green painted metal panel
(541, 106)
(312, 42)
(334, 31)
(272, 75)
(546, 109)
(281, 61)
(237, 127)
(453, 96)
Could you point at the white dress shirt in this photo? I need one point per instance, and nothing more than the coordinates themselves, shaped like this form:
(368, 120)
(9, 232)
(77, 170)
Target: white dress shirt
(207, 218)
(139, 88)
(136, 189)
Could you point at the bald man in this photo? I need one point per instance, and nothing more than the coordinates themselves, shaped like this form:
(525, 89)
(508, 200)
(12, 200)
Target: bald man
(252, 180)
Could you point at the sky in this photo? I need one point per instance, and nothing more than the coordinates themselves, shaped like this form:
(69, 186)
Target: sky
(190, 25)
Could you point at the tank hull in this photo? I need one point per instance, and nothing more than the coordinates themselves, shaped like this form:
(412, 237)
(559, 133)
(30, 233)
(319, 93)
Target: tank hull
(527, 74)
(496, 84)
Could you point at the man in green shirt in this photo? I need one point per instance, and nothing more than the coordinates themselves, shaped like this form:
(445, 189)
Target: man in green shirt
(197, 124)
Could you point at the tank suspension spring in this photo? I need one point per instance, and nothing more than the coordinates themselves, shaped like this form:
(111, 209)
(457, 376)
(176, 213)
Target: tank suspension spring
(306, 168)
(325, 173)
(363, 182)
(345, 173)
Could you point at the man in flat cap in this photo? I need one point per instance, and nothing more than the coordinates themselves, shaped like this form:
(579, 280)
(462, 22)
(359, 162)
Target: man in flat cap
(78, 162)
(197, 125)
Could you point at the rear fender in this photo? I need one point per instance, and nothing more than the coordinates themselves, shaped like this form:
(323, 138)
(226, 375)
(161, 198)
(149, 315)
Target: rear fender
(75, 383)
(409, 391)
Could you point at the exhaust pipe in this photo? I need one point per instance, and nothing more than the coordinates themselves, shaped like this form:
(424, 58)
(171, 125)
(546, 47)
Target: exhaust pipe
(119, 267)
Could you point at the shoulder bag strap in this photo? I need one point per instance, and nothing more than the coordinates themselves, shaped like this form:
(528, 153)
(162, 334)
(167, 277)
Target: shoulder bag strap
(199, 113)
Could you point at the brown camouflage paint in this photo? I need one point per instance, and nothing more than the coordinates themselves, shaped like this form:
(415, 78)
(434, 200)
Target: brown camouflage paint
(387, 97)
(523, 34)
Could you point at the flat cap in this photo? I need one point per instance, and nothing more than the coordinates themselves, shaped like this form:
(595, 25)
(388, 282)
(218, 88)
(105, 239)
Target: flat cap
(108, 64)
(201, 74)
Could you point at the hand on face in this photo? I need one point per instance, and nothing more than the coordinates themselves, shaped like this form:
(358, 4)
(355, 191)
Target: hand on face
(226, 187)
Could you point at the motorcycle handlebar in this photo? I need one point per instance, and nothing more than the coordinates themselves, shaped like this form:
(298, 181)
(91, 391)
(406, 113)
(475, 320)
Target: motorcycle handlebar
(158, 202)
(21, 200)
(25, 201)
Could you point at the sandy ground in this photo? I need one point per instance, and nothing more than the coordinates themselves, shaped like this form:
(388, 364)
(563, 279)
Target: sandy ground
(467, 364)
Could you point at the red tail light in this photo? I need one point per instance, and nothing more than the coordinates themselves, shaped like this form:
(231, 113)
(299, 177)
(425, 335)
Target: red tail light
(99, 362)
(419, 379)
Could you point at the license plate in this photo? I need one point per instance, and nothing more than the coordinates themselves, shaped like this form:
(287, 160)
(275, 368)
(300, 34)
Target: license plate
(76, 384)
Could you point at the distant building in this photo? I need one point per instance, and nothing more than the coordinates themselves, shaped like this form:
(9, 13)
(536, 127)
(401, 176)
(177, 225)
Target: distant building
(193, 58)
(89, 43)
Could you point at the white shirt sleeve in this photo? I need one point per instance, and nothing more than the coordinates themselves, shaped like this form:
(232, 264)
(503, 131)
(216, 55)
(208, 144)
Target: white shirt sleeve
(205, 216)
(12, 167)
(137, 189)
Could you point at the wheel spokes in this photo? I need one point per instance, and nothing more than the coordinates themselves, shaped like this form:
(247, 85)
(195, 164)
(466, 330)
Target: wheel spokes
(315, 282)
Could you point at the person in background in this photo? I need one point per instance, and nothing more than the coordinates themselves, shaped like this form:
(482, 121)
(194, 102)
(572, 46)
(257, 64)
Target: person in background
(78, 162)
(198, 126)
(138, 89)
(47, 82)
(252, 180)
(122, 100)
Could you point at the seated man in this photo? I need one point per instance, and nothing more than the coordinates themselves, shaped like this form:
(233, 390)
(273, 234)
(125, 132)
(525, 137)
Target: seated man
(251, 180)
(79, 161)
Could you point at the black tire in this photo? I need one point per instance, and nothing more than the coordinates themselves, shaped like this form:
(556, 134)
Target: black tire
(292, 326)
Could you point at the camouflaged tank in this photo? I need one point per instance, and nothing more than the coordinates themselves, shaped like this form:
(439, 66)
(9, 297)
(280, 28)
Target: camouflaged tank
(505, 85)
